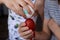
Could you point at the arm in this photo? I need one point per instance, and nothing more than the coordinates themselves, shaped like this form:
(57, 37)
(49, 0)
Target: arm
(46, 29)
(41, 10)
(40, 7)
(45, 33)
(54, 28)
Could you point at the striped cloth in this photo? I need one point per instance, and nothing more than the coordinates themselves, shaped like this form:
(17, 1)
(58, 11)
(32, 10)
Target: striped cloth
(52, 10)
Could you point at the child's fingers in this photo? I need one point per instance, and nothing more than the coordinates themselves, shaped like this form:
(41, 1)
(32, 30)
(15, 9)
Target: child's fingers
(23, 29)
(22, 24)
(26, 34)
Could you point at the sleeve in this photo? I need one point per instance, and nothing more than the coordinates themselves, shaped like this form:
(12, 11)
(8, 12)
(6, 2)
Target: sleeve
(46, 11)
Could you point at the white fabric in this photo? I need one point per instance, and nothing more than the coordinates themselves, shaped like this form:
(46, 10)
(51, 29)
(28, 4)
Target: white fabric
(13, 20)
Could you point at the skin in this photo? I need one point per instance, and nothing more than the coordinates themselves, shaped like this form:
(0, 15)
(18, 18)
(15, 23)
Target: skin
(39, 5)
(46, 29)
(0, 1)
(26, 33)
(55, 28)
(18, 5)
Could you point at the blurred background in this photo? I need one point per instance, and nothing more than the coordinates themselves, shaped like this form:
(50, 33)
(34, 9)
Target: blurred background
(3, 22)
(4, 25)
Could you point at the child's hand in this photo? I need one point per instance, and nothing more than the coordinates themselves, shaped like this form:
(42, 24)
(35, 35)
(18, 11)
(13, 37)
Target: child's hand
(25, 32)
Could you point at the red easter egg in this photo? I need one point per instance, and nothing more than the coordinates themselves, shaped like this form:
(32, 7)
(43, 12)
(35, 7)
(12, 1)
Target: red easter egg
(30, 23)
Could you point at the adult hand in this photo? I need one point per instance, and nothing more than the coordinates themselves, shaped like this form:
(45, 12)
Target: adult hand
(18, 5)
